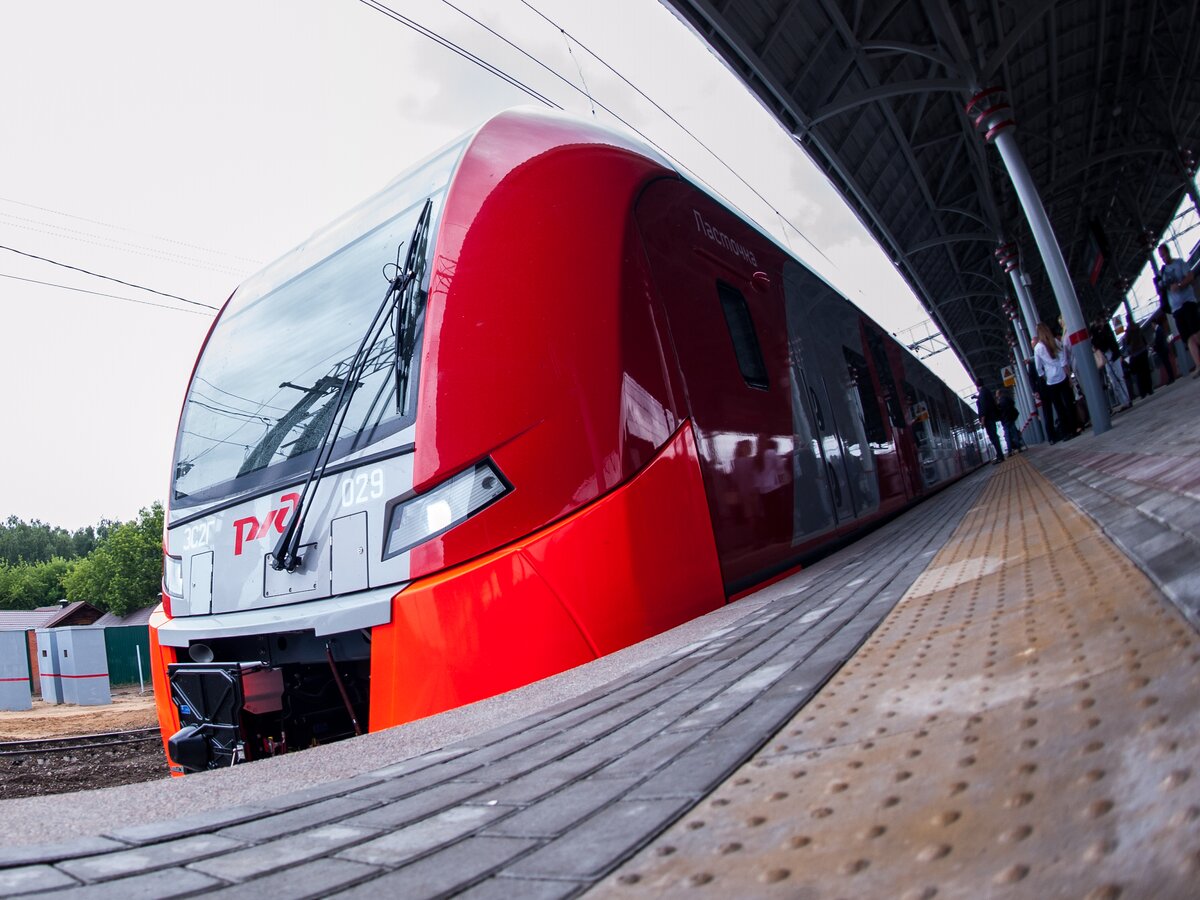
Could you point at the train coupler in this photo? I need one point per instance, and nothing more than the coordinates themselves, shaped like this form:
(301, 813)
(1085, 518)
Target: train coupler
(212, 699)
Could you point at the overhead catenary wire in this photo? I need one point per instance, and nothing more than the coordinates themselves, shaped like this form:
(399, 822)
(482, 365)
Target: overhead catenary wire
(674, 120)
(520, 85)
(579, 69)
(461, 51)
(140, 287)
(67, 287)
(570, 84)
(37, 226)
(157, 237)
(375, 4)
(255, 403)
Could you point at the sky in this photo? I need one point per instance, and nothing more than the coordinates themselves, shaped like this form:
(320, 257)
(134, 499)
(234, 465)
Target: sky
(181, 147)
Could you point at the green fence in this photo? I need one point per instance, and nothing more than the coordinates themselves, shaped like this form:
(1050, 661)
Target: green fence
(122, 645)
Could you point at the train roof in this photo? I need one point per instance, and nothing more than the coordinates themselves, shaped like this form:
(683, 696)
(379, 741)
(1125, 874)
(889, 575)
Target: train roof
(539, 131)
(508, 138)
(546, 129)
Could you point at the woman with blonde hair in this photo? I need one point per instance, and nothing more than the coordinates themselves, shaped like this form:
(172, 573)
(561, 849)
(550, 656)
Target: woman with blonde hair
(1054, 365)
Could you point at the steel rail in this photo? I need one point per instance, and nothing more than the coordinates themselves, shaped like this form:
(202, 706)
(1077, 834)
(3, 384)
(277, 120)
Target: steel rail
(80, 740)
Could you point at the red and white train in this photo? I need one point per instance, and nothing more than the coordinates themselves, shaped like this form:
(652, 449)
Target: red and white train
(537, 400)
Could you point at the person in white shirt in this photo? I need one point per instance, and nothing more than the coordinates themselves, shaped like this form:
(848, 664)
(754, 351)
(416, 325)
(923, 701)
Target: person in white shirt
(1054, 364)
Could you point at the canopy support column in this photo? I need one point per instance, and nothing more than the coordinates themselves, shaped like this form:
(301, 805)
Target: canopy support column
(994, 115)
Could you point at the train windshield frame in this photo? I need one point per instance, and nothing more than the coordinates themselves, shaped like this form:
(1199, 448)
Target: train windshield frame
(267, 380)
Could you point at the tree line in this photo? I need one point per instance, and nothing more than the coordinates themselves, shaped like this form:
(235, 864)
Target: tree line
(115, 566)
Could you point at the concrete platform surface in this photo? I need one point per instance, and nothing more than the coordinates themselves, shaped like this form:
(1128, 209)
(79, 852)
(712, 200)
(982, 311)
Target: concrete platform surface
(1141, 482)
(1024, 723)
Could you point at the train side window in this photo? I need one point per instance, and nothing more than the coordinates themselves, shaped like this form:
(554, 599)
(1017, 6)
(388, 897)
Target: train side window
(856, 365)
(745, 341)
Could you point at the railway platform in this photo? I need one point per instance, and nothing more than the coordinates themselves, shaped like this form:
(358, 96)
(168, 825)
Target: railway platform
(991, 695)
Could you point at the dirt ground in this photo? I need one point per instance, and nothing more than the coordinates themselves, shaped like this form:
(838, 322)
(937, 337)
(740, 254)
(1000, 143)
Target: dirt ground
(59, 773)
(128, 710)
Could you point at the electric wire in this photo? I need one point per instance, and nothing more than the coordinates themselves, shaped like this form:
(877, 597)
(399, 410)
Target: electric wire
(205, 437)
(579, 69)
(677, 123)
(67, 287)
(461, 51)
(157, 237)
(513, 80)
(131, 284)
(229, 411)
(86, 237)
(594, 102)
(574, 87)
(255, 403)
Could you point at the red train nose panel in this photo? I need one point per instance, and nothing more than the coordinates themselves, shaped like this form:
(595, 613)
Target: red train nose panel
(635, 563)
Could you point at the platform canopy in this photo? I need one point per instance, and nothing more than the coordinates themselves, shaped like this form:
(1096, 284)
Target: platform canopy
(1105, 97)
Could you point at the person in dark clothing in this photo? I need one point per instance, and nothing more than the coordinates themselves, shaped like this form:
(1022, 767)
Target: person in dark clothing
(1104, 343)
(989, 415)
(1133, 342)
(1008, 418)
(1162, 347)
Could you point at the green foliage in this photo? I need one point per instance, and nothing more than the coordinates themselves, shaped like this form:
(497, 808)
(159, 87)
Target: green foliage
(37, 542)
(30, 585)
(124, 572)
(114, 566)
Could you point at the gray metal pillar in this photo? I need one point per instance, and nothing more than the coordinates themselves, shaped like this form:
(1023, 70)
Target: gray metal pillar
(1028, 309)
(994, 116)
(1024, 388)
(1010, 260)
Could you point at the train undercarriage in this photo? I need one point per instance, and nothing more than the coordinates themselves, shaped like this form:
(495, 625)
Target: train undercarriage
(249, 698)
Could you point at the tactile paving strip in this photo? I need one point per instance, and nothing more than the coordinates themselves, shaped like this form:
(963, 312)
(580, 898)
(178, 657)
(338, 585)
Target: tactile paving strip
(1023, 724)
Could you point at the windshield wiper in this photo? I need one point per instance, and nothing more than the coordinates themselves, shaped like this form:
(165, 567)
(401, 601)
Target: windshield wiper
(407, 311)
(286, 555)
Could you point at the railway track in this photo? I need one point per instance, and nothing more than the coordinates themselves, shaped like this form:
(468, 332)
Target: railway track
(78, 742)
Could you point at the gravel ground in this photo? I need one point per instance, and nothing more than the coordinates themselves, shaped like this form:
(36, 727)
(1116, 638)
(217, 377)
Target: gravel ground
(39, 774)
(61, 773)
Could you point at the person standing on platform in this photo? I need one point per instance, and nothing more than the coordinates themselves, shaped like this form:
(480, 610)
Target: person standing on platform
(989, 415)
(1042, 396)
(1108, 361)
(1177, 279)
(1133, 342)
(1162, 348)
(1054, 365)
(1008, 418)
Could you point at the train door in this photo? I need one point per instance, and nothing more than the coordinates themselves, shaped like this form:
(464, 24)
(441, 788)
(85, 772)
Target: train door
(918, 416)
(724, 316)
(904, 458)
(822, 326)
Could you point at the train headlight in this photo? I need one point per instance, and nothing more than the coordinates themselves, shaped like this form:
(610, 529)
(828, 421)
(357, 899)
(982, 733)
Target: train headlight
(173, 575)
(417, 519)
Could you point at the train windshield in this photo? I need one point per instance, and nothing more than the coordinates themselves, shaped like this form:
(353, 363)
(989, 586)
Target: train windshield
(266, 387)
